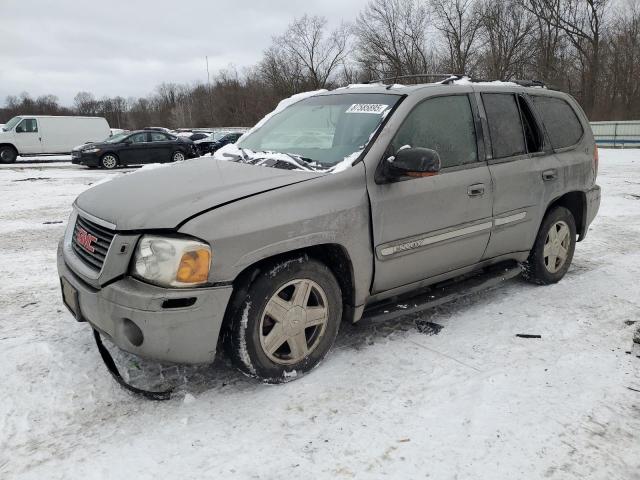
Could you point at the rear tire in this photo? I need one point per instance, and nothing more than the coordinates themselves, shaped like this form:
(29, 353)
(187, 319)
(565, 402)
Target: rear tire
(282, 323)
(553, 250)
(109, 161)
(8, 154)
(178, 156)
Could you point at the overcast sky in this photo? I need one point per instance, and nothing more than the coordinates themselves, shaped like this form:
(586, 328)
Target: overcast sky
(126, 48)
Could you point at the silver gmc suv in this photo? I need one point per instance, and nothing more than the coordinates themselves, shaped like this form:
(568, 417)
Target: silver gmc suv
(337, 204)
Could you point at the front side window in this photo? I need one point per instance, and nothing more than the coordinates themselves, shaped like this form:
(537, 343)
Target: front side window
(138, 138)
(505, 127)
(324, 129)
(28, 125)
(443, 124)
(560, 120)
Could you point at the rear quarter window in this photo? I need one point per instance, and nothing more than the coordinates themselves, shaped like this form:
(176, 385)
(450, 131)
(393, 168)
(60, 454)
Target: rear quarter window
(560, 121)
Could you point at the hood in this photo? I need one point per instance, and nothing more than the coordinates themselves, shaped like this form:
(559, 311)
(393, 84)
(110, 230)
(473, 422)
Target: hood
(162, 198)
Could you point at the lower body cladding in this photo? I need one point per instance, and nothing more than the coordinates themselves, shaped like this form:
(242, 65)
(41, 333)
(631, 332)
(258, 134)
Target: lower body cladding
(168, 325)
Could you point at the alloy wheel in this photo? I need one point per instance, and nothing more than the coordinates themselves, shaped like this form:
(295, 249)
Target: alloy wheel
(178, 157)
(556, 246)
(109, 161)
(294, 321)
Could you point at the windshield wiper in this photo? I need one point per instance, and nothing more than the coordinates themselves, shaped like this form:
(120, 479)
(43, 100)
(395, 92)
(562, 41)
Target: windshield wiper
(310, 162)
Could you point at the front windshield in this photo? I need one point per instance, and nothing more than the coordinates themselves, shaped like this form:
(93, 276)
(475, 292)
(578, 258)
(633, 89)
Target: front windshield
(117, 138)
(11, 123)
(324, 129)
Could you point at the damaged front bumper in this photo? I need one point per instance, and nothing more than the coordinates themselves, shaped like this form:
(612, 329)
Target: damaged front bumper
(169, 325)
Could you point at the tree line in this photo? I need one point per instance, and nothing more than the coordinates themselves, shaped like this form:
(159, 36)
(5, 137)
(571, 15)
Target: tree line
(588, 48)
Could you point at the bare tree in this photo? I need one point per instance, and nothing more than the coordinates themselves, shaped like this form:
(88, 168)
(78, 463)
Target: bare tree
(307, 49)
(391, 38)
(459, 22)
(506, 31)
(583, 21)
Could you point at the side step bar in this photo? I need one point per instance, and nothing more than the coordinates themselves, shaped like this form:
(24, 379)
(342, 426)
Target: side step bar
(441, 293)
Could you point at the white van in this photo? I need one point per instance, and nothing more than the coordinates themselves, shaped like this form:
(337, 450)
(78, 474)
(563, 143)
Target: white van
(45, 134)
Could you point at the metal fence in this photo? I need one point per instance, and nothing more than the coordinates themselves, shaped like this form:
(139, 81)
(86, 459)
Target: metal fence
(617, 134)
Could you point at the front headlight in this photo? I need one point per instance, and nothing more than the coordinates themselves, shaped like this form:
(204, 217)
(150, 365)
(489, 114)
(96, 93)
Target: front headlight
(91, 150)
(172, 262)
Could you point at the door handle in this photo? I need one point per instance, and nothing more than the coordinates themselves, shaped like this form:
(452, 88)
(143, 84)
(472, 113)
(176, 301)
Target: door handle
(551, 174)
(476, 190)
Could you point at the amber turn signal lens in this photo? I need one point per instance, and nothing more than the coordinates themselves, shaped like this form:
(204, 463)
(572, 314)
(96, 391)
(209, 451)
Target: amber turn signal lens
(194, 266)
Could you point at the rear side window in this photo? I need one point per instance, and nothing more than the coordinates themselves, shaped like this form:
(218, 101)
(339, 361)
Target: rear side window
(505, 127)
(158, 137)
(560, 121)
(443, 124)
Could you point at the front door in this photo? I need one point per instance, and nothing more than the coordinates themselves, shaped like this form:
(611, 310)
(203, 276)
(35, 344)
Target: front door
(135, 150)
(27, 137)
(426, 226)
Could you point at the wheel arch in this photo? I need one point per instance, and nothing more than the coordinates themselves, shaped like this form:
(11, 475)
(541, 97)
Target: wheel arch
(576, 203)
(10, 145)
(334, 256)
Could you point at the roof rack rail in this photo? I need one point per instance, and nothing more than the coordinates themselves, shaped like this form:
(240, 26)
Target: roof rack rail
(449, 78)
(417, 75)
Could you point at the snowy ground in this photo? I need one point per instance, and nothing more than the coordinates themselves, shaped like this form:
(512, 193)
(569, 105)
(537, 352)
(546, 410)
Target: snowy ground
(391, 400)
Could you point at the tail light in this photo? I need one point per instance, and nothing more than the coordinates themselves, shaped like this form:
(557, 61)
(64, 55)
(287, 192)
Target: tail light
(595, 162)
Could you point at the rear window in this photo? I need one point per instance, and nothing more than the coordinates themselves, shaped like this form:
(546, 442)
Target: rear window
(505, 127)
(560, 121)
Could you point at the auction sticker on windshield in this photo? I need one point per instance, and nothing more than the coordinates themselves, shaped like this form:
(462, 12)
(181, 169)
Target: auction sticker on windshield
(375, 108)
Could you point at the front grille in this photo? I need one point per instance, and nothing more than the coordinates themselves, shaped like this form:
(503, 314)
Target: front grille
(104, 237)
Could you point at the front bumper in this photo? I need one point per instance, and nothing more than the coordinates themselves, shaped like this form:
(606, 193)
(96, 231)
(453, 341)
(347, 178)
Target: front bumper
(88, 159)
(592, 206)
(149, 321)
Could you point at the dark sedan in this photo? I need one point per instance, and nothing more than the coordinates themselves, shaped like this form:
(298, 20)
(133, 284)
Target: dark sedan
(212, 143)
(134, 148)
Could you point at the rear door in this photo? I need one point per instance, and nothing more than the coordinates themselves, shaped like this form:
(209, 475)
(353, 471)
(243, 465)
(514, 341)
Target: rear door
(136, 149)
(159, 148)
(27, 137)
(426, 226)
(523, 168)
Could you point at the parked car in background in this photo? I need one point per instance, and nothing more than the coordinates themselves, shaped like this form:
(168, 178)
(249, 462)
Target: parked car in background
(44, 134)
(160, 129)
(193, 135)
(406, 187)
(210, 144)
(134, 148)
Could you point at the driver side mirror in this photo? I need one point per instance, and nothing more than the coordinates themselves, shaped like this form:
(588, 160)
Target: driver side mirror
(127, 142)
(412, 162)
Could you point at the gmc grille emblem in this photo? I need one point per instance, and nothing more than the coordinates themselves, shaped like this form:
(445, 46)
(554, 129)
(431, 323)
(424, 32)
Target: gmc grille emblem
(85, 239)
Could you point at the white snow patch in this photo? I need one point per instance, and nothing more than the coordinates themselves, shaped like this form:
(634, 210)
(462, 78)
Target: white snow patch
(482, 402)
(494, 83)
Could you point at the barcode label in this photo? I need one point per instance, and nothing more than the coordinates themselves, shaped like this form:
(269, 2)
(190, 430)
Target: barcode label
(375, 108)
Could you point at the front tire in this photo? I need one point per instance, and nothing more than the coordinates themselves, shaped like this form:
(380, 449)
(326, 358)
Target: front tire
(553, 250)
(177, 156)
(109, 161)
(8, 155)
(283, 323)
